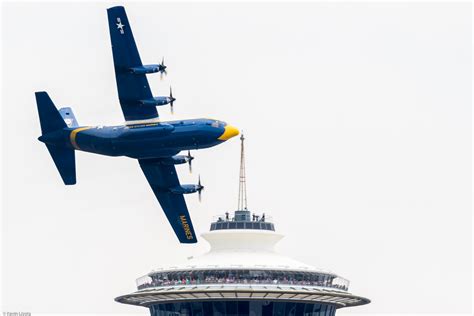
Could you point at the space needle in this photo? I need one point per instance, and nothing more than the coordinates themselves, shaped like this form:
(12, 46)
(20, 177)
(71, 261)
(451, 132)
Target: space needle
(242, 274)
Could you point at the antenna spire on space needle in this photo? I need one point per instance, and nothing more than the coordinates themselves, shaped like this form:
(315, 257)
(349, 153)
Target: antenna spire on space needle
(242, 203)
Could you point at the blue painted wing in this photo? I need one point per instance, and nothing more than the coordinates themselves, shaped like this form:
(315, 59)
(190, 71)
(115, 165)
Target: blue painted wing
(132, 87)
(161, 178)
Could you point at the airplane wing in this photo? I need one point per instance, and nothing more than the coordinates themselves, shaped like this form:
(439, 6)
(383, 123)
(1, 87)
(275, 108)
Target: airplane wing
(161, 178)
(132, 87)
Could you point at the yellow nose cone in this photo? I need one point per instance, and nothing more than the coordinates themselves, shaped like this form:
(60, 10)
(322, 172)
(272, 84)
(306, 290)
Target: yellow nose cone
(229, 132)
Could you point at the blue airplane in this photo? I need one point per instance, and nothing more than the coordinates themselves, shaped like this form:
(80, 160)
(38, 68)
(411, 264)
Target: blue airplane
(155, 144)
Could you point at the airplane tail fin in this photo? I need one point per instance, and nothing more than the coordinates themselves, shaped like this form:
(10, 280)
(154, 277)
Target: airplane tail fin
(52, 122)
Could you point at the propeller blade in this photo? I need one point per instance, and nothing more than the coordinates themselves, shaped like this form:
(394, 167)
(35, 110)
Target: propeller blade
(163, 73)
(200, 188)
(162, 68)
(190, 158)
(172, 100)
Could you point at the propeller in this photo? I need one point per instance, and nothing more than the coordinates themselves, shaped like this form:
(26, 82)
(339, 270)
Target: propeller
(190, 158)
(200, 188)
(171, 101)
(162, 68)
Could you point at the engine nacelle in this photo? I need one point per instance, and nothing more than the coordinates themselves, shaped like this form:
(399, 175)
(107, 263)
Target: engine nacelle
(175, 160)
(145, 69)
(156, 101)
(186, 189)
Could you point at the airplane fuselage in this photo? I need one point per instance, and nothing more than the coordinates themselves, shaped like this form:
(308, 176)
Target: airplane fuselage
(142, 141)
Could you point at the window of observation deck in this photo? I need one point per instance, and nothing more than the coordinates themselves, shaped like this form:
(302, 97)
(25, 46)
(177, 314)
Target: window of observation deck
(242, 225)
(242, 276)
(242, 220)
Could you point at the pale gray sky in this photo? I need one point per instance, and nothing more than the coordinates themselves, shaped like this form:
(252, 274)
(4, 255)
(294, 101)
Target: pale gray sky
(358, 121)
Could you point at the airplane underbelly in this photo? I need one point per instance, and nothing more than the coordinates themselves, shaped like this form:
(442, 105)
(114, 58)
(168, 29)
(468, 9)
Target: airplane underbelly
(153, 148)
(95, 144)
(164, 146)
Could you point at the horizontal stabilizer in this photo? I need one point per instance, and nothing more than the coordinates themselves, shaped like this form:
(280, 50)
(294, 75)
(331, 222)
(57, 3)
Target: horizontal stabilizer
(64, 159)
(50, 119)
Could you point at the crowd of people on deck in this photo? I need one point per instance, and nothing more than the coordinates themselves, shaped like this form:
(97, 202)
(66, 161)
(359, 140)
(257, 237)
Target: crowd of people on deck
(221, 277)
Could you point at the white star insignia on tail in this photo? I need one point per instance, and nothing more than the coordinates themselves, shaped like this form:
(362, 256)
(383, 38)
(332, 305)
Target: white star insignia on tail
(120, 25)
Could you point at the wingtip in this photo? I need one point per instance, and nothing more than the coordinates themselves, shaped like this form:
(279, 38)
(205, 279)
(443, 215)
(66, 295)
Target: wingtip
(116, 7)
(189, 241)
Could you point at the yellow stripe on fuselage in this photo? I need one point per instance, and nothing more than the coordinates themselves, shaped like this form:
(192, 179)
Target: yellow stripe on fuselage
(73, 135)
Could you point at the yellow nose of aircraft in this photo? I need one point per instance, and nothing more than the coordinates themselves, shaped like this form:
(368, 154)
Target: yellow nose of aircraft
(229, 132)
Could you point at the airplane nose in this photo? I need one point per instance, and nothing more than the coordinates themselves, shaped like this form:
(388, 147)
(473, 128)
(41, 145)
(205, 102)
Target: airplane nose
(229, 132)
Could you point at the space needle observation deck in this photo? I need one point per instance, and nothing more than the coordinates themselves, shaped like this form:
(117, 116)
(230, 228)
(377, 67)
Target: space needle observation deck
(242, 274)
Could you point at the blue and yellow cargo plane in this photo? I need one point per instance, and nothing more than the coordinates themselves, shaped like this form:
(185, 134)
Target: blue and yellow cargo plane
(155, 144)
